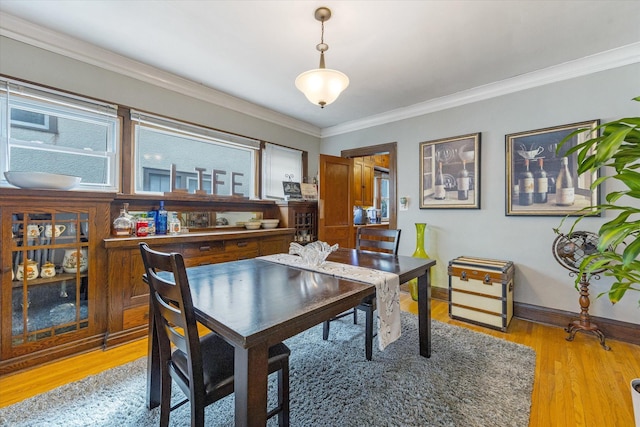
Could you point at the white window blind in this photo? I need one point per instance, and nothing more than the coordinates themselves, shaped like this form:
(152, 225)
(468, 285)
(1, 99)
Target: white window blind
(280, 164)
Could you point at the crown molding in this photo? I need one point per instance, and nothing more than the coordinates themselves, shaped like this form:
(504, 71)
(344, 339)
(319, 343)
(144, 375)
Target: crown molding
(614, 58)
(44, 38)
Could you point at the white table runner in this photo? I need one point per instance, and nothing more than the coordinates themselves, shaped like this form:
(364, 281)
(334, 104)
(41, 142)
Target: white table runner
(387, 290)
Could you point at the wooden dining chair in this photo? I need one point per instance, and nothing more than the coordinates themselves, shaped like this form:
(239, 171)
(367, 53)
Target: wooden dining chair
(202, 367)
(376, 240)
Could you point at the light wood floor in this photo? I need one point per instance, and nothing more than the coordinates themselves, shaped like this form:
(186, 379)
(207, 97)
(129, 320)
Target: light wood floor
(576, 383)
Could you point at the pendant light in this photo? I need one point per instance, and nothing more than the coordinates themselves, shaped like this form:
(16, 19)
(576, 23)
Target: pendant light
(322, 86)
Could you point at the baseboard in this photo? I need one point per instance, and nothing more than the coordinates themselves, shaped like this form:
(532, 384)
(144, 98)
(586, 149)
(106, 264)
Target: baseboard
(40, 357)
(440, 293)
(612, 329)
(124, 337)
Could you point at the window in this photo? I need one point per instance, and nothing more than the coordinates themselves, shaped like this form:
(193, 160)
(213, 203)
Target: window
(279, 164)
(42, 130)
(382, 193)
(225, 163)
(31, 120)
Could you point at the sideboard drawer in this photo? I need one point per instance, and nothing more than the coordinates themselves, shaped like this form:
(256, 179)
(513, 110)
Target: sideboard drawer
(223, 251)
(242, 245)
(192, 250)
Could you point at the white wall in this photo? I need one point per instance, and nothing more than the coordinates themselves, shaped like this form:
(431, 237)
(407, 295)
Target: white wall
(487, 232)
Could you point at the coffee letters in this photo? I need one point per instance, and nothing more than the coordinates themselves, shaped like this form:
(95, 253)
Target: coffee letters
(217, 182)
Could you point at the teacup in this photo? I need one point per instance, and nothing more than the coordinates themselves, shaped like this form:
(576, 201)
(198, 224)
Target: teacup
(34, 230)
(59, 229)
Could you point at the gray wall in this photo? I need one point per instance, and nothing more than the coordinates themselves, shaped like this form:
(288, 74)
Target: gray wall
(30, 63)
(487, 232)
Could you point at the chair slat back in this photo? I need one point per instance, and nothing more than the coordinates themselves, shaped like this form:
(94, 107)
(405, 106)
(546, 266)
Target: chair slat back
(378, 240)
(166, 276)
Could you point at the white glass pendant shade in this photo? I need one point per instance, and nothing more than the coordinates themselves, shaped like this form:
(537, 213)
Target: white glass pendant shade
(322, 86)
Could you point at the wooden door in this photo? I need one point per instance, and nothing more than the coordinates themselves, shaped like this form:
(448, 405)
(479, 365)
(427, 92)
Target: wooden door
(358, 184)
(335, 207)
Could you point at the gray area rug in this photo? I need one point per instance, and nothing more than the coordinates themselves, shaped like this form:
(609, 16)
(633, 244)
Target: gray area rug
(471, 379)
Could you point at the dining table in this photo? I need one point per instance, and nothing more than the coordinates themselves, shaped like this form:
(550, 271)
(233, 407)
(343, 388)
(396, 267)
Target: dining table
(254, 303)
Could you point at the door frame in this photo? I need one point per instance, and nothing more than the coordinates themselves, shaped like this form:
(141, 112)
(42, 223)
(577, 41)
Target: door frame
(392, 149)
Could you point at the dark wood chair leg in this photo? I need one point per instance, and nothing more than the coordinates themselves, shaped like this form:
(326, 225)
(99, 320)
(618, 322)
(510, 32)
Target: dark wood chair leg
(197, 413)
(325, 330)
(368, 333)
(165, 398)
(283, 394)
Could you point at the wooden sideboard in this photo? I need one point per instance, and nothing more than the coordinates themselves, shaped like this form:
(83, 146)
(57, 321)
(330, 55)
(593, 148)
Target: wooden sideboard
(105, 302)
(128, 295)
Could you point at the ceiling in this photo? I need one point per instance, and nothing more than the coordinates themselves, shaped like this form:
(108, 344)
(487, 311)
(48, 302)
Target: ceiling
(397, 54)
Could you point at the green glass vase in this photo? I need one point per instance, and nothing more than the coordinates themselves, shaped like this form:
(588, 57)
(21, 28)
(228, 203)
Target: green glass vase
(418, 253)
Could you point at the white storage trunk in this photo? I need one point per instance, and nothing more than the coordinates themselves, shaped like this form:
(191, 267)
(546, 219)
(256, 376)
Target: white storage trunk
(481, 291)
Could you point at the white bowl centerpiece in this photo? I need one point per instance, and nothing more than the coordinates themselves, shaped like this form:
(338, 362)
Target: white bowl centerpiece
(314, 254)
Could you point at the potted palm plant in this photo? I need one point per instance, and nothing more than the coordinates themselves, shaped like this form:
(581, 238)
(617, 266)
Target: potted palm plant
(617, 147)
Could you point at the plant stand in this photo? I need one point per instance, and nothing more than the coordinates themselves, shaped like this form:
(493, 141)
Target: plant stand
(635, 399)
(584, 324)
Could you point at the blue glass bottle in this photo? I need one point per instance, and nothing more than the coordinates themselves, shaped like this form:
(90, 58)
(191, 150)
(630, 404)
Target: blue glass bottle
(161, 220)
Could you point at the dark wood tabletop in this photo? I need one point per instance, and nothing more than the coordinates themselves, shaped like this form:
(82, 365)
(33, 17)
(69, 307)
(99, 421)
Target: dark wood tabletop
(404, 266)
(250, 301)
(254, 304)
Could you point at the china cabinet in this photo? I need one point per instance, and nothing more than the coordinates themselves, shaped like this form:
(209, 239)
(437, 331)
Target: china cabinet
(51, 302)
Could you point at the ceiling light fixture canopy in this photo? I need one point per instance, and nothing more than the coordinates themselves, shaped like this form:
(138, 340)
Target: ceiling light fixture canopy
(322, 86)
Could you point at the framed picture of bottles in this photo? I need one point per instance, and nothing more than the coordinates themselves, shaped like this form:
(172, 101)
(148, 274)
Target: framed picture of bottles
(450, 173)
(542, 181)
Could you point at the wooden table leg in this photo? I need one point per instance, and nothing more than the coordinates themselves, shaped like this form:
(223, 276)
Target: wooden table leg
(250, 385)
(153, 364)
(424, 313)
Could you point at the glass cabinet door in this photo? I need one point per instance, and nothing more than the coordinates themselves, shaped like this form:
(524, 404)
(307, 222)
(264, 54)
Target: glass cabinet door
(49, 276)
(305, 225)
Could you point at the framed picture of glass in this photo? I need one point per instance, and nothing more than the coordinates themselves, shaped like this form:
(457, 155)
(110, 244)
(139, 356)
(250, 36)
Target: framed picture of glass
(540, 181)
(450, 173)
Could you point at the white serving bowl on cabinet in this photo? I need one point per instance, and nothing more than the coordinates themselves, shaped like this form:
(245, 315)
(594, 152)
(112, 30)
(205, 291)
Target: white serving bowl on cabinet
(270, 223)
